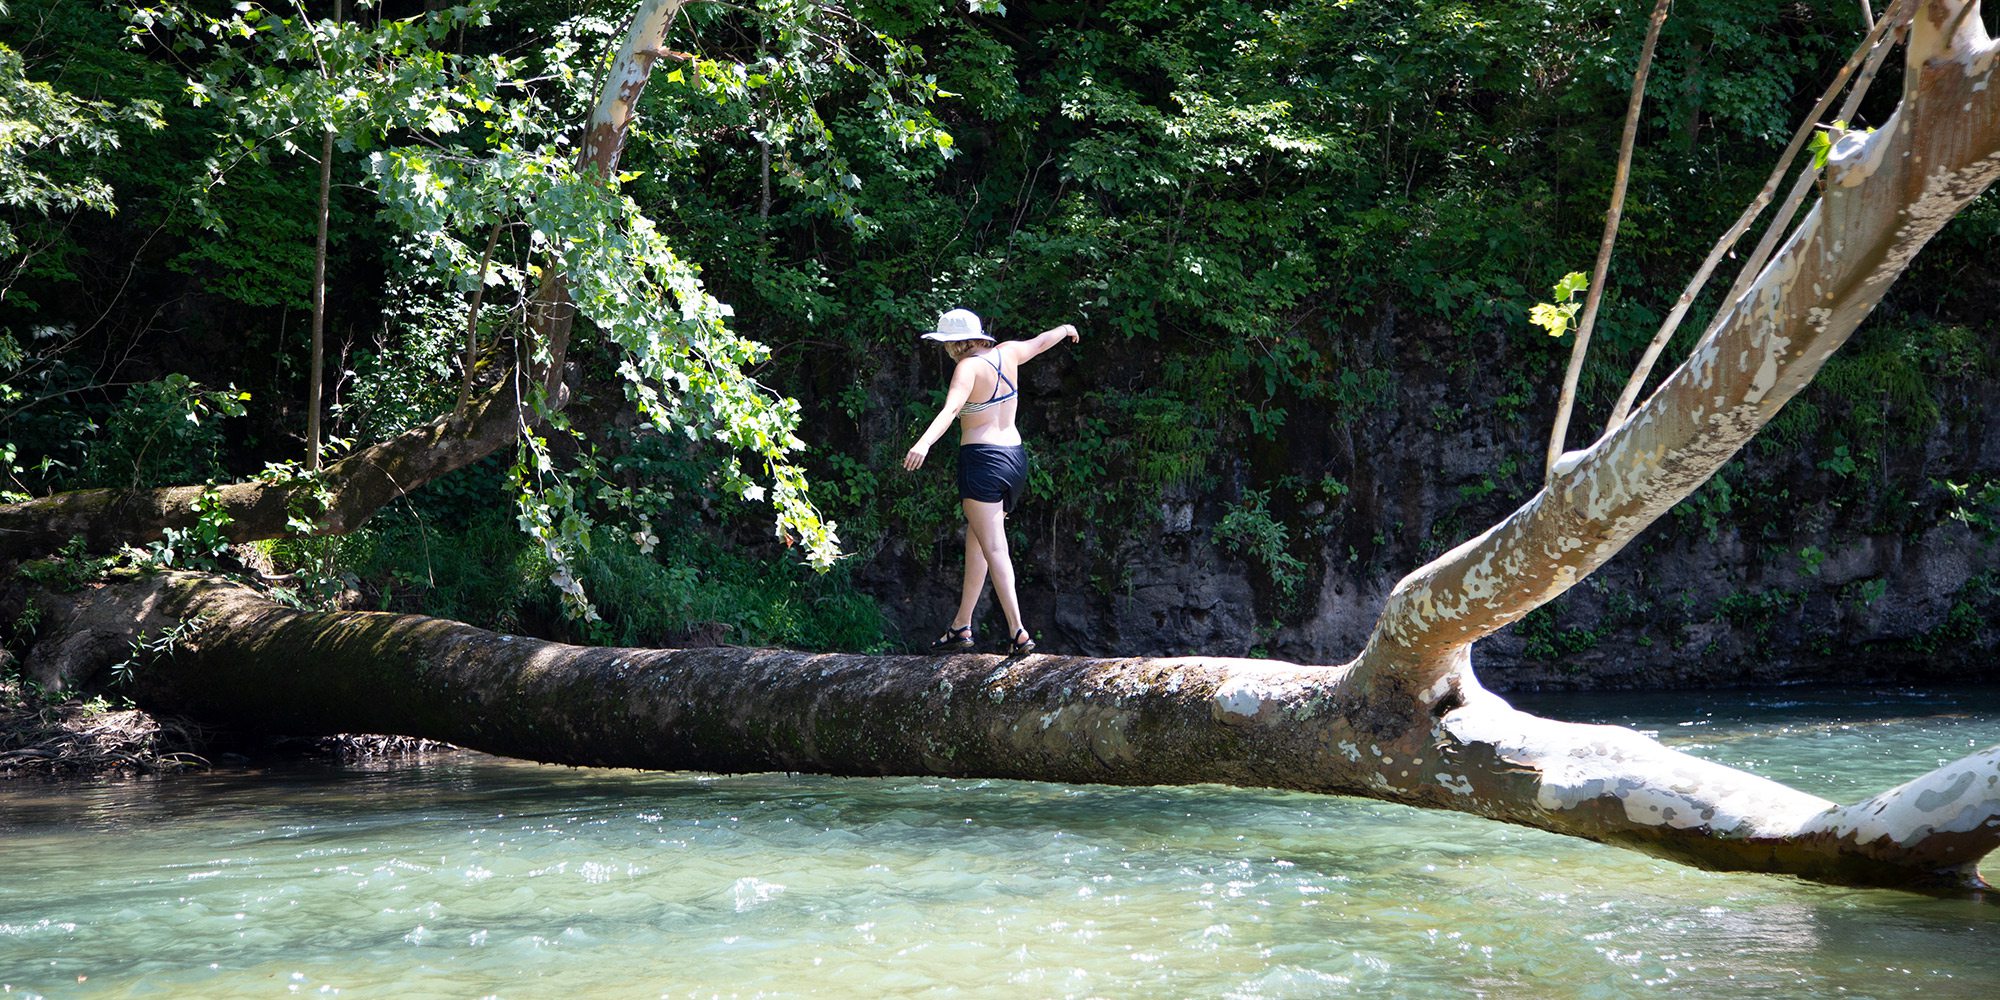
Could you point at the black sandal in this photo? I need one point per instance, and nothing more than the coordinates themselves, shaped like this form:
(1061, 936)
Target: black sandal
(1023, 643)
(959, 638)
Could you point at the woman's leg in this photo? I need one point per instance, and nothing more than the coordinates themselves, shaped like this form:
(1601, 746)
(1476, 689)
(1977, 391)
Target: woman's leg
(987, 523)
(975, 579)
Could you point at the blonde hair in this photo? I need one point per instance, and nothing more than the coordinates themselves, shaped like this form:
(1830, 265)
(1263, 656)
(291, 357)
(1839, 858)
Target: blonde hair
(962, 349)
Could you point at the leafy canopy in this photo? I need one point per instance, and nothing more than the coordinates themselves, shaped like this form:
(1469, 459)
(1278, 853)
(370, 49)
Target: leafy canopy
(455, 144)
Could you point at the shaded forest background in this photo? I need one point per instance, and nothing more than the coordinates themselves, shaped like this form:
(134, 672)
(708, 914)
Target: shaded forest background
(1301, 240)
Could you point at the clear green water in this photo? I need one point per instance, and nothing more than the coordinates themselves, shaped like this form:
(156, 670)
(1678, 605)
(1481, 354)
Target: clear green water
(469, 876)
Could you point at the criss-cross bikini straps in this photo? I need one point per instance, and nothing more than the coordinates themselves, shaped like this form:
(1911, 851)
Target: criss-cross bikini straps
(998, 397)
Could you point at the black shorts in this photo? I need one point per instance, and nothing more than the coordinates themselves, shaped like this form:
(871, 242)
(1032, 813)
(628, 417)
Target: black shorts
(992, 473)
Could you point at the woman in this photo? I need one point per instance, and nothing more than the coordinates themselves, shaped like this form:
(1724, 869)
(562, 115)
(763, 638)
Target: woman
(992, 465)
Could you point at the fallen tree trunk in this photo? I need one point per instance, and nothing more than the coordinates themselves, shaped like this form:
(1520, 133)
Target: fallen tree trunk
(252, 664)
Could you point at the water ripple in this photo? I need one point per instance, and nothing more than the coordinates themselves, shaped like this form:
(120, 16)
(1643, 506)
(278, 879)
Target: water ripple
(473, 876)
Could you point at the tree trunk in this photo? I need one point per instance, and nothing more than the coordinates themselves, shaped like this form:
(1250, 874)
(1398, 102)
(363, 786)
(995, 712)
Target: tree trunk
(1887, 194)
(316, 372)
(246, 662)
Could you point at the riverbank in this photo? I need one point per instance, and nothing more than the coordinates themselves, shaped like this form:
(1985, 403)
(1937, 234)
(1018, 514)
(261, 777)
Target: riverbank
(78, 737)
(89, 737)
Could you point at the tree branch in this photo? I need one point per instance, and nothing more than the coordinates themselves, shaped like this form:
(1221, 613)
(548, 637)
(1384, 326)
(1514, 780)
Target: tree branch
(472, 316)
(1873, 43)
(1887, 193)
(1612, 215)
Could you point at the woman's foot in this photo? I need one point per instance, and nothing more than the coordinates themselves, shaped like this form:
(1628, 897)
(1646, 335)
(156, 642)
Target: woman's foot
(958, 637)
(1023, 643)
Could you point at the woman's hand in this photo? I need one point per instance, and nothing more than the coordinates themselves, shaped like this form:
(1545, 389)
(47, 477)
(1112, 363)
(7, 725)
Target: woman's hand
(914, 459)
(1028, 350)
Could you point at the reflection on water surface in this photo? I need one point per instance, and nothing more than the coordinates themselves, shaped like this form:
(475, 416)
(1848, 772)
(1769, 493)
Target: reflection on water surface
(472, 876)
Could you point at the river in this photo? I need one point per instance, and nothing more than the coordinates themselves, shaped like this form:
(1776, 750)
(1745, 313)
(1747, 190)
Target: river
(470, 876)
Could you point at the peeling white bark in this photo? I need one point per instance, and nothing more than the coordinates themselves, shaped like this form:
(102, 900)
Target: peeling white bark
(1886, 194)
(618, 97)
(1576, 765)
(1948, 816)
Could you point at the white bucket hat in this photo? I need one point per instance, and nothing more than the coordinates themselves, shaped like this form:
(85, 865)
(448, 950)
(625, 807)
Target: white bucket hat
(958, 324)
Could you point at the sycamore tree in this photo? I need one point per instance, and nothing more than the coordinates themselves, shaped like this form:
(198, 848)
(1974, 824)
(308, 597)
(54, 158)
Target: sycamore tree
(1406, 720)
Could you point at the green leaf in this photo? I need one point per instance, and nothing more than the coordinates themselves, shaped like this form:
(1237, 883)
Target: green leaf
(1553, 318)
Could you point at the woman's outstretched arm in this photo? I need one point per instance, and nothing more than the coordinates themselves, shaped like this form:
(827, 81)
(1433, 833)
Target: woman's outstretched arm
(962, 379)
(1023, 351)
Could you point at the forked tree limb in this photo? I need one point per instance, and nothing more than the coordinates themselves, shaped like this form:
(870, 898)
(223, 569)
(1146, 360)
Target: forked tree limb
(1808, 179)
(1872, 45)
(1887, 193)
